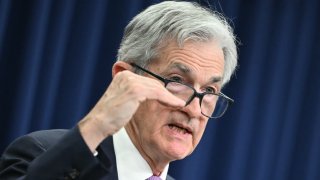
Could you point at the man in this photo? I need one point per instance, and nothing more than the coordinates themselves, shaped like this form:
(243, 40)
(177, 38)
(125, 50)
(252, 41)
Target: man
(173, 61)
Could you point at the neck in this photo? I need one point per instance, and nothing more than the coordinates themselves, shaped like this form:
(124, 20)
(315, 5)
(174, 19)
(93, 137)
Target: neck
(156, 163)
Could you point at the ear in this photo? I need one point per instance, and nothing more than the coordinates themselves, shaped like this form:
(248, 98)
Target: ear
(120, 66)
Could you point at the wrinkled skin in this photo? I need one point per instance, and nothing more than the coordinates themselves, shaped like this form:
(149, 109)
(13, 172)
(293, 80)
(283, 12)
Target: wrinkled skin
(158, 123)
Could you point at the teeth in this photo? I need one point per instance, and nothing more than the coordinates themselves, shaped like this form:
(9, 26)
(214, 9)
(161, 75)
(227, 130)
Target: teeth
(180, 130)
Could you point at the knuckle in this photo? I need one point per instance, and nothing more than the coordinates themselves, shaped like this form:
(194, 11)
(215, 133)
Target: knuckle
(124, 77)
(122, 74)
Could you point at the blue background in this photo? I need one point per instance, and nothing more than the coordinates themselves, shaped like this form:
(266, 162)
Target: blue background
(56, 58)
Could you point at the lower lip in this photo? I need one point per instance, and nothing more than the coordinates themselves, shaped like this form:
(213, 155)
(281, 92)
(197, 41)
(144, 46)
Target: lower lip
(173, 132)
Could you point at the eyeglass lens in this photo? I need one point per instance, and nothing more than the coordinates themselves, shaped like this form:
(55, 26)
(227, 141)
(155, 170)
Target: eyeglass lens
(212, 106)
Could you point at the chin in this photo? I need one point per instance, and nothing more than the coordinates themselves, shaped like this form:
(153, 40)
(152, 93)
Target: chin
(177, 153)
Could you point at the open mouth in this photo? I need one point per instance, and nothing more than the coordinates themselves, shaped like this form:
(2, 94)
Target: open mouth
(179, 128)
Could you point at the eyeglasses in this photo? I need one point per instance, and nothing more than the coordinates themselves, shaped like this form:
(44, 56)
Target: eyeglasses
(213, 105)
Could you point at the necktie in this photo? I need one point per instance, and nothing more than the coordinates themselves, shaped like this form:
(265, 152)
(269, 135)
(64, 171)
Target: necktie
(154, 178)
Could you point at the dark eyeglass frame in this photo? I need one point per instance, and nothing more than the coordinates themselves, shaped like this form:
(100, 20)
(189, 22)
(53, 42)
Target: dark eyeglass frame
(195, 93)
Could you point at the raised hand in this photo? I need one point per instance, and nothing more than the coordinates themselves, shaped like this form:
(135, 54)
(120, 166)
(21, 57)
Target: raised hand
(120, 102)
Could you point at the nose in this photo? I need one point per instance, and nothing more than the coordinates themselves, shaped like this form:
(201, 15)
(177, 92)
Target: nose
(193, 109)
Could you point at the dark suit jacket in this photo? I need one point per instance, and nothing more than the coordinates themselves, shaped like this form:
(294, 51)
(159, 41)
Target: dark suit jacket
(58, 154)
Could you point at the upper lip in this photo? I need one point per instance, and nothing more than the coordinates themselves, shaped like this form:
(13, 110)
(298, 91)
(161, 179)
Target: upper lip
(188, 128)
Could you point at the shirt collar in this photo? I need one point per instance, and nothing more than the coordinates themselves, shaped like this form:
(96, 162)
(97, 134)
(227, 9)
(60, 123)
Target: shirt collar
(130, 163)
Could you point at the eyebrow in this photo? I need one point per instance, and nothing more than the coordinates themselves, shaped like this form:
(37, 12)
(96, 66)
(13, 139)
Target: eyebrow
(187, 71)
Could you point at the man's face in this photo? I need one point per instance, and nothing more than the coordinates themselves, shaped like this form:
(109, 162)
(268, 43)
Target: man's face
(166, 134)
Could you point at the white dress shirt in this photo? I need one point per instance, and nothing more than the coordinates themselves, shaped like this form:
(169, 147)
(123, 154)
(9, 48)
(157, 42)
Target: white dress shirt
(130, 163)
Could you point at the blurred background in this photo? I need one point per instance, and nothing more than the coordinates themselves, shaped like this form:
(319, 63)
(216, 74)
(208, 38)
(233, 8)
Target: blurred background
(56, 58)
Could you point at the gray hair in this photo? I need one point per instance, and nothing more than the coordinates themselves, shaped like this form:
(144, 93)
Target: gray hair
(180, 21)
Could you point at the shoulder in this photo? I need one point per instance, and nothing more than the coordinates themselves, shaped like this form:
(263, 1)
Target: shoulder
(52, 153)
(22, 151)
(38, 140)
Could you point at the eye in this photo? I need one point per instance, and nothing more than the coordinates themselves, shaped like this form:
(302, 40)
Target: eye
(210, 90)
(176, 78)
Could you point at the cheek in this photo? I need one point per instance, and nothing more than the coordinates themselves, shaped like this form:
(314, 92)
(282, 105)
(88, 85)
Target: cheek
(155, 110)
(152, 116)
(198, 135)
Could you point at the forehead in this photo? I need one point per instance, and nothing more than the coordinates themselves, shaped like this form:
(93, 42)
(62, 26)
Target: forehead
(198, 58)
